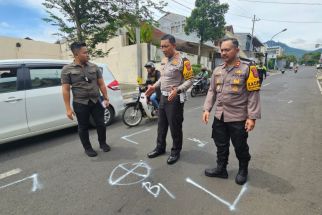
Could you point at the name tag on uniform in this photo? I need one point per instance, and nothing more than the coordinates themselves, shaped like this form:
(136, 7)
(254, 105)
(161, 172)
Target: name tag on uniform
(236, 81)
(235, 89)
(175, 62)
(238, 72)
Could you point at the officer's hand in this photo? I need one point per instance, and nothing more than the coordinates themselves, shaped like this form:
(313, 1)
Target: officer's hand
(70, 114)
(150, 90)
(250, 125)
(205, 117)
(173, 94)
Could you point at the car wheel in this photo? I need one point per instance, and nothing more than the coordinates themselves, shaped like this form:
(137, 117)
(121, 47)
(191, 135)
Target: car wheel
(108, 117)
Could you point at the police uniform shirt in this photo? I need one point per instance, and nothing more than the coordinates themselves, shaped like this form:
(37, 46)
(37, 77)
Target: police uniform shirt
(232, 94)
(172, 74)
(83, 81)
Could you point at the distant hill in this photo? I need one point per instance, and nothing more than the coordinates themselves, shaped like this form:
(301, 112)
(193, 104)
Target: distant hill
(289, 50)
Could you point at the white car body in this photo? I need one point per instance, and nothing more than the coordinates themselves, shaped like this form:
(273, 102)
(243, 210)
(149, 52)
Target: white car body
(31, 103)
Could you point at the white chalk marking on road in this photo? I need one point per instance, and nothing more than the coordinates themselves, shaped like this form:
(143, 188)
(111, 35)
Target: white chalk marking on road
(131, 141)
(167, 191)
(319, 85)
(9, 173)
(155, 189)
(200, 143)
(231, 207)
(149, 188)
(290, 101)
(131, 171)
(266, 84)
(35, 183)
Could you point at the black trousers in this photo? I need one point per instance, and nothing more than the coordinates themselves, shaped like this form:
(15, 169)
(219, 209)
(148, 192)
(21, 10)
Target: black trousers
(83, 113)
(223, 132)
(170, 114)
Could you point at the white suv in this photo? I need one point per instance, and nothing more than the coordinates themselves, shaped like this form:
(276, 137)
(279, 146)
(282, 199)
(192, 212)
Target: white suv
(31, 101)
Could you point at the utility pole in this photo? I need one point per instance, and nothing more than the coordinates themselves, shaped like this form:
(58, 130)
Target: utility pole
(251, 40)
(138, 46)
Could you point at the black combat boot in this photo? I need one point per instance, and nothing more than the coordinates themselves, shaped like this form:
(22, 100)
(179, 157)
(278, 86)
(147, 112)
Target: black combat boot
(241, 176)
(220, 171)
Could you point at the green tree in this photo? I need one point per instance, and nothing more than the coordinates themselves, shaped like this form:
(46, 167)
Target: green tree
(96, 21)
(311, 58)
(146, 34)
(208, 21)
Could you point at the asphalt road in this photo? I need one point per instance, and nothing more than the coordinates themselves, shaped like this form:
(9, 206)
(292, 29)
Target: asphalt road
(50, 174)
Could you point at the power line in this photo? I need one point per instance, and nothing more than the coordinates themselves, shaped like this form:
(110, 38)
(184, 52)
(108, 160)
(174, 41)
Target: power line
(278, 2)
(248, 17)
(189, 8)
(287, 21)
(189, 3)
(274, 20)
(237, 5)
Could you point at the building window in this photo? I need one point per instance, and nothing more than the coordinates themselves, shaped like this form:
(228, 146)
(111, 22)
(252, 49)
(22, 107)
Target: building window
(172, 29)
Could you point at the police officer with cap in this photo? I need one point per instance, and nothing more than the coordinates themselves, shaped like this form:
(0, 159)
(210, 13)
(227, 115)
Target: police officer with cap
(234, 91)
(176, 79)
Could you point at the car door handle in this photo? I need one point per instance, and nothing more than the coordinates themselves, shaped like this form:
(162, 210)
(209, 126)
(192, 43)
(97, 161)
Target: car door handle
(13, 99)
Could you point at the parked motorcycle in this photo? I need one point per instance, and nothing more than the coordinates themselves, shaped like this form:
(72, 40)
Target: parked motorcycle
(137, 110)
(198, 88)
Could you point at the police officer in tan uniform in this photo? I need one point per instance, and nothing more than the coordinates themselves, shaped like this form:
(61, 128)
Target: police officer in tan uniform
(234, 91)
(176, 79)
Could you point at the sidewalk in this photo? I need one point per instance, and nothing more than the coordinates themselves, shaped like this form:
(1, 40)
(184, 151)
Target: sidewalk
(319, 79)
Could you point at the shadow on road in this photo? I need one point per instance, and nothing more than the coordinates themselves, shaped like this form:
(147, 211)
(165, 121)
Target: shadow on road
(272, 183)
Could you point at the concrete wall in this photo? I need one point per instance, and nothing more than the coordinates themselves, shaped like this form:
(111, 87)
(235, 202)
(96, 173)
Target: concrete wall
(121, 59)
(28, 49)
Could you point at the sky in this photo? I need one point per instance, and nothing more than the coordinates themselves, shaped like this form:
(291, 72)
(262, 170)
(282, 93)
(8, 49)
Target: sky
(23, 18)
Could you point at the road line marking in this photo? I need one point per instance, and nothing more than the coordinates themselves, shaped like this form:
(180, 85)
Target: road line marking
(231, 207)
(195, 108)
(319, 85)
(131, 141)
(9, 173)
(266, 84)
(272, 74)
(289, 102)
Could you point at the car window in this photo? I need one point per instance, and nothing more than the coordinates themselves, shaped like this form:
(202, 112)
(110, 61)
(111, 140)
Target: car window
(8, 80)
(45, 77)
